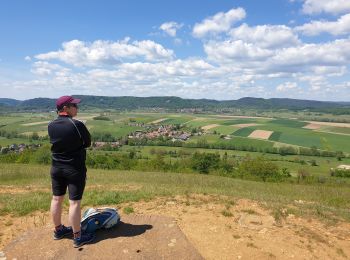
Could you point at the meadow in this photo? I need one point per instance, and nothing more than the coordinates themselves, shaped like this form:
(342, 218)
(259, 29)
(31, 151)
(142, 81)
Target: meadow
(28, 190)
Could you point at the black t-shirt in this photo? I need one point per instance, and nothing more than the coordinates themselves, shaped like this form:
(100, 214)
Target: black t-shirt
(69, 138)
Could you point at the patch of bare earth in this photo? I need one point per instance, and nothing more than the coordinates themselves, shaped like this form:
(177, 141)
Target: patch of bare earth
(312, 126)
(158, 120)
(221, 228)
(208, 127)
(8, 189)
(330, 124)
(40, 133)
(253, 117)
(261, 134)
(245, 125)
(37, 123)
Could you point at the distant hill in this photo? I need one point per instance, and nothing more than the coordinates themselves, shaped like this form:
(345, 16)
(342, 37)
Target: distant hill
(176, 103)
(9, 102)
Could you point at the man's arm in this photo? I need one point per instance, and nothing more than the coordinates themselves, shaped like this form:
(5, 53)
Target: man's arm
(85, 135)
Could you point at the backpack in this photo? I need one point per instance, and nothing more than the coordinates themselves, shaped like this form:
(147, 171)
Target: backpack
(100, 218)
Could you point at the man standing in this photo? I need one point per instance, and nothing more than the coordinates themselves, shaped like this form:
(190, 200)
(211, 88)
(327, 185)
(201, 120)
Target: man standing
(69, 139)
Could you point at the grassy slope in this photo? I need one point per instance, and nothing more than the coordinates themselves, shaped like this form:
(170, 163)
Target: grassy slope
(111, 187)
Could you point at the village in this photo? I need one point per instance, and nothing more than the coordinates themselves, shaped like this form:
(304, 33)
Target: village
(151, 131)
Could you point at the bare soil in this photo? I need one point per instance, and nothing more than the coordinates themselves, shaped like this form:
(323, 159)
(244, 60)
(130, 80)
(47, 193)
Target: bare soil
(37, 123)
(207, 127)
(330, 124)
(215, 227)
(158, 120)
(312, 126)
(245, 125)
(261, 134)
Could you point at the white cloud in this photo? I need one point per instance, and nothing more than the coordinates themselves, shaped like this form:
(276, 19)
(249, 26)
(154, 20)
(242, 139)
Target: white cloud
(287, 86)
(326, 6)
(234, 51)
(27, 58)
(339, 27)
(99, 52)
(306, 56)
(301, 58)
(177, 41)
(266, 36)
(220, 22)
(44, 68)
(330, 71)
(170, 28)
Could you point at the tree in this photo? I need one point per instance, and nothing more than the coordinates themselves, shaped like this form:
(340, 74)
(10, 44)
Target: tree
(340, 155)
(260, 167)
(35, 136)
(203, 162)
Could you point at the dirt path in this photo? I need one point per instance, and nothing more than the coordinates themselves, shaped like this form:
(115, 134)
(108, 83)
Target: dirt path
(221, 228)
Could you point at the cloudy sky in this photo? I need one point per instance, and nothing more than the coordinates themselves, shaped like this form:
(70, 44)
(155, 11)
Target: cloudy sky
(188, 48)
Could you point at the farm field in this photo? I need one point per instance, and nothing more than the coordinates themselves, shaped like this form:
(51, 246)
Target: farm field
(287, 131)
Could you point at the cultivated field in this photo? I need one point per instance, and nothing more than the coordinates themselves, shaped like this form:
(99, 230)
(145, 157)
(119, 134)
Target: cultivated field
(322, 135)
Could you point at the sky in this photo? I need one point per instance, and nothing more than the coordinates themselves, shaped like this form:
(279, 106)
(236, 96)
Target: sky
(221, 49)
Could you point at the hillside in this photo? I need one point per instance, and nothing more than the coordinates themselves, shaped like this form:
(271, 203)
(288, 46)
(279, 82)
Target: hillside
(176, 103)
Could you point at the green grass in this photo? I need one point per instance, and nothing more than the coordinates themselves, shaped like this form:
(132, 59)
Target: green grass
(243, 132)
(176, 120)
(243, 141)
(275, 136)
(224, 129)
(203, 122)
(288, 123)
(340, 130)
(113, 190)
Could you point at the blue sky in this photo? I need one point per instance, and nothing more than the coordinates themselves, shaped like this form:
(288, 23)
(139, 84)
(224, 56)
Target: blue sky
(192, 49)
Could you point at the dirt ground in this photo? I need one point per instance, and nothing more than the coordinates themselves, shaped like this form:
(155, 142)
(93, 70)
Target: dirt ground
(222, 228)
(158, 120)
(329, 124)
(261, 134)
(312, 126)
(245, 125)
(208, 127)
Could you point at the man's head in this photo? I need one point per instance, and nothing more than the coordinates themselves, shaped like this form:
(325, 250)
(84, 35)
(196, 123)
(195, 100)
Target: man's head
(68, 104)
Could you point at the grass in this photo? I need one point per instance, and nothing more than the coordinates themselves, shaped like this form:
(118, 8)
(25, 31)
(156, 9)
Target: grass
(331, 199)
(243, 132)
(250, 211)
(128, 210)
(226, 213)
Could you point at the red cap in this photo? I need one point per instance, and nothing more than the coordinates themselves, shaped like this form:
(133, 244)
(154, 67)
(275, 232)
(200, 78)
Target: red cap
(64, 100)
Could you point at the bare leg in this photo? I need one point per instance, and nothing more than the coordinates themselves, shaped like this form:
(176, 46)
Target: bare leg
(74, 214)
(56, 209)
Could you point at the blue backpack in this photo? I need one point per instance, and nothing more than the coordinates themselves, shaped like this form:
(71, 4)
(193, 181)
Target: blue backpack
(100, 218)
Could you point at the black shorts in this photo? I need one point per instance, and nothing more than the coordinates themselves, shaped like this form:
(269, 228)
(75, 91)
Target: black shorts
(74, 179)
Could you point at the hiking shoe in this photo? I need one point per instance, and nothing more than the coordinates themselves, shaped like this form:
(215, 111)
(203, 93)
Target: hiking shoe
(83, 239)
(63, 232)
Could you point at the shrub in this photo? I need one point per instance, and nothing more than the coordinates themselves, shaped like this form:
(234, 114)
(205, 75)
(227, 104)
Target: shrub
(104, 118)
(42, 155)
(203, 162)
(303, 175)
(344, 173)
(259, 167)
